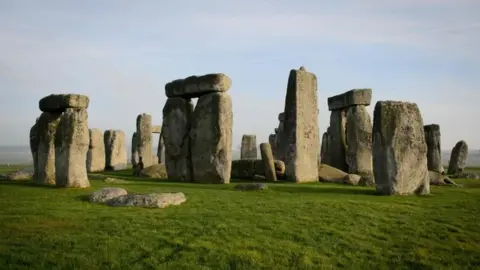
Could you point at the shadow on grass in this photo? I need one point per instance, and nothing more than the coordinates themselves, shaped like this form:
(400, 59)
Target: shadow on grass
(28, 183)
(83, 198)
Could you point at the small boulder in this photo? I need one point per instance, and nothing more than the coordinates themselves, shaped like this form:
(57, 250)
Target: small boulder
(250, 186)
(105, 194)
(352, 179)
(155, 171)
(152, 200)
(328, 173)
(19, 176)
(109, 180)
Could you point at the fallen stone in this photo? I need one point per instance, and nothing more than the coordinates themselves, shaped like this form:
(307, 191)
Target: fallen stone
(330, 174)
(47, 128)
(301, 141)
(439, 179)
(211, 138)
(458, 158)
(434, 154)
(399, 149)
(250, 187)
(177, 117)
(96, 151)
(59, 103)
(196, 86)
(350, 98)
(248, 148)
(105, 194)
(115, 150)
(18, 176)
(352, 179)
(359, 141)
(152, 200)
(155, 171)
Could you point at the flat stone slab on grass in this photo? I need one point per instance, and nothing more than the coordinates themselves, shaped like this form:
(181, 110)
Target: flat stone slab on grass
(350, 98)
(105, 194)
(153, 200)
(196, 86)
(250, 187)
(60, 102)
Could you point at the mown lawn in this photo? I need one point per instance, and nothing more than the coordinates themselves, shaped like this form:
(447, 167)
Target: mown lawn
(288, 226)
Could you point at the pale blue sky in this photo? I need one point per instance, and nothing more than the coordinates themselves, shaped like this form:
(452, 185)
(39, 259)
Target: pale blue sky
(121, 53)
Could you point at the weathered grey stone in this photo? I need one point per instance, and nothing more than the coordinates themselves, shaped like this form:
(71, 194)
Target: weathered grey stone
(18, 176)
(458, 158)
(152, 200)
(34, 147)
(352, 179)
(177, 117)
(145, 138)
(350, 98)
(248, 168)
(105, 194)
(155, 171)
(325, 148)
(157, 129)
(211, 137)
(330, 174)
(280, 142)
(281, 117)
(250, 187)
(196, 86)
(71, 147)
(467, 175)
(272, 140)
(109, 180)
(248, 149)
(134, 158)
(58, 103)
(96, 151)
(154, 160)
(302, 142)
(268, 162)
(399, 149)
(47, 128)
(115, 150)
(434, 154)
(337, 143)
(359, 141)
(160, 149)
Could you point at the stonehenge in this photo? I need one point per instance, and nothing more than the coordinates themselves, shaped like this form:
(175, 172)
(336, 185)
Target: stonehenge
(300, 137)
(60, 141)
(96, 151)
(268, 162)
(348, 140)
(399, 149)
(115, 150)
(434, 154)
(278, 148)
(198, 141)
(458, 158)
(248, 149)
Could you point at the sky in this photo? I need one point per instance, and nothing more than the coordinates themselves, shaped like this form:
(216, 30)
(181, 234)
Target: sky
(122, 53)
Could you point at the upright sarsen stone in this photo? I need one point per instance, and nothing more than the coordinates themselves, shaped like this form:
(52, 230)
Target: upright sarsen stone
(337, 140)
(115, 150)
(359, 141)
(458, 158)
(145, 138)
(399, 149)
(325, 148)
(268, 162)
(211, 137)
(34, 147)
(134, 157)
(249, 147)
(302, 143)
(96, 151)
(47, 128)
(434, 154)
(177, 115)
(71, 147)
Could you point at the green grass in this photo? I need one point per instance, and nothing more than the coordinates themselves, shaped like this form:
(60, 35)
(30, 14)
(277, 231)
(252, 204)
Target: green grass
(288, 226)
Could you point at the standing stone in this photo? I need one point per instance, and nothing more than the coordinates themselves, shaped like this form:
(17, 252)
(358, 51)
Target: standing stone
(302, 142)
(280, 142)
(177, 115)
(434, 154)
(325, 148)
(115, 150)
(338, 142)
(249, 147)
(268, 162)
(71, 147)
(359, 141)
(145, 138)
(34, 147)
(399, 149)
(211, 136)
(96, 151)
(160, 148)
(272, 140)
(47, 128)
(458, 158)
(135, 152)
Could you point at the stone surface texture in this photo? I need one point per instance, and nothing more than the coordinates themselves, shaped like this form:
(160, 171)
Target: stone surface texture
(57, 103)
(434, 152)
(115, 150)
(152, 200)
(268, 162)
(105, 194)
(248, 149)
(350, 98)
(96, 151)
(359, 141)
(196, 86)
(145, 138)
(337, 143)
(458, 158)
(47, 128)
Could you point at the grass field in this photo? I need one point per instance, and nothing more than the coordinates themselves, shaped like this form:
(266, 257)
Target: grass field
(288, 226)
